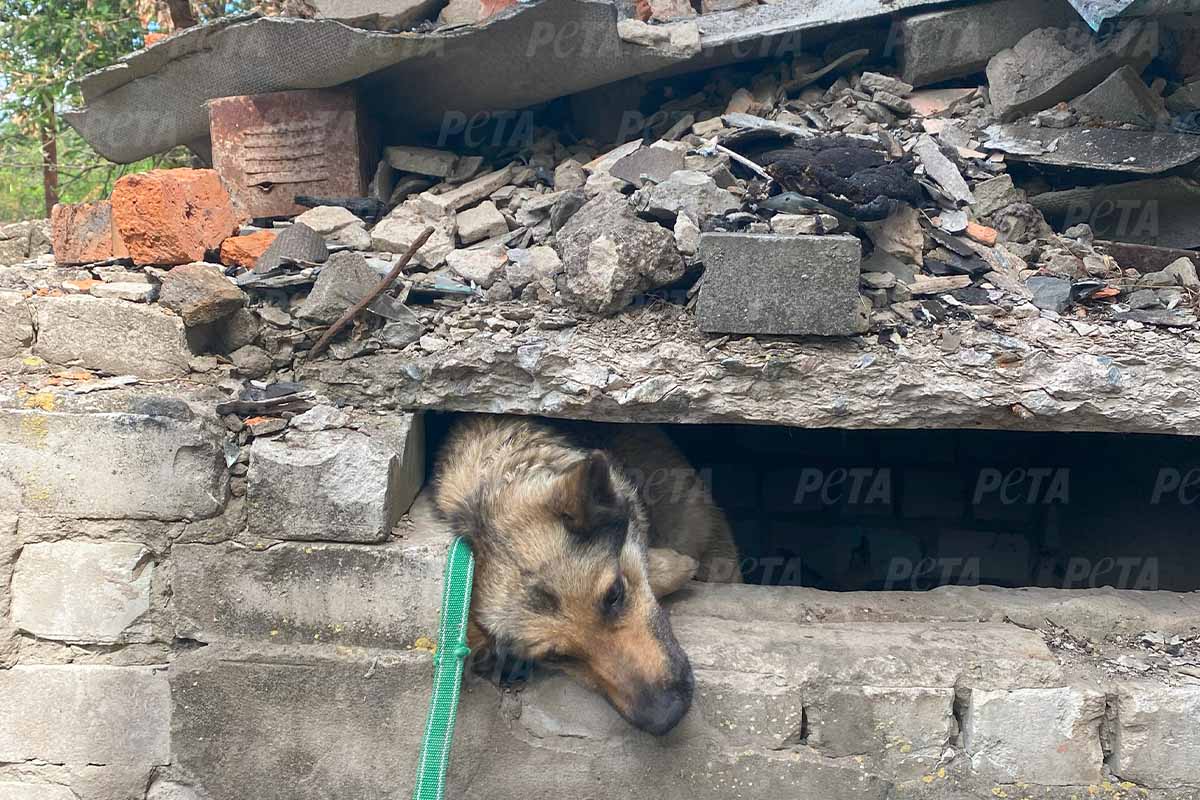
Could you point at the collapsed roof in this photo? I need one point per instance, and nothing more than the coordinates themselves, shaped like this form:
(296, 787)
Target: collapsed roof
(531, 53)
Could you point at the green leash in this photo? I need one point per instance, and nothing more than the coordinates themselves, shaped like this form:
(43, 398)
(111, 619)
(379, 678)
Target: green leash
(448, 660)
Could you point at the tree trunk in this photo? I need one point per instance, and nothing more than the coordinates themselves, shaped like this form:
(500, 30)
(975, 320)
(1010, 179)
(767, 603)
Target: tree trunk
(181, 14)
(49, 135)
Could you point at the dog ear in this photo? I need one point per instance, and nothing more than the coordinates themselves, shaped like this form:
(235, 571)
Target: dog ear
(668, 570)
(585, 495)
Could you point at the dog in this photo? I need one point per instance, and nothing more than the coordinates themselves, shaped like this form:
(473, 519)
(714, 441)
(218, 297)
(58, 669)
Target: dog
(578, 531)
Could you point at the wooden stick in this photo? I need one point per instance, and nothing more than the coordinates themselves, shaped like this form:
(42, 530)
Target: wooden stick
(358, 307)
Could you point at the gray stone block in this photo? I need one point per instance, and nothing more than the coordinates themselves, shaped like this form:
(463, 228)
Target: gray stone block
(1156, 739)
(16, 324)
(771, 284)
(337, 485)
(1037, 736)
(142, 457)
(112, 336)
(82, 715)
(1122, 97)
(381, 596)
(34, 791)
(954, 43)
(94, 592)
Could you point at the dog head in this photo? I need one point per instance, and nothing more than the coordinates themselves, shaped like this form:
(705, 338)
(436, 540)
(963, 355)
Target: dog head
(562, 578)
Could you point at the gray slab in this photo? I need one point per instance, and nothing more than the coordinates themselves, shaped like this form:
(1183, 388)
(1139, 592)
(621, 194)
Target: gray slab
(771, 284)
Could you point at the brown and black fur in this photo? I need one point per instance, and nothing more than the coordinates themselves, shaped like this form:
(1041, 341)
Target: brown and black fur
(577, 531)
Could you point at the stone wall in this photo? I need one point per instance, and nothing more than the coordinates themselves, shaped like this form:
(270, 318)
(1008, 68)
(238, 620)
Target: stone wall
(204, 607)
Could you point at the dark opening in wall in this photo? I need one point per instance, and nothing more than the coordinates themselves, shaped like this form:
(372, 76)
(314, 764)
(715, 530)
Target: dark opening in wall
(911, 510)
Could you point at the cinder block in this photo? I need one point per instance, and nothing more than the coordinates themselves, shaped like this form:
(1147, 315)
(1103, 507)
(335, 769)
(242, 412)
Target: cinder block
(95, 592)
(85, 715)
(148, 458)
(772, 284)
(1038, 736)
(337, 485)
(112, 336)
(1156, 740)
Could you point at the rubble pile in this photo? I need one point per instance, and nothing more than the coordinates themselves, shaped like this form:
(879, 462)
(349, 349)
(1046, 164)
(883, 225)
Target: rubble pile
(798, 195)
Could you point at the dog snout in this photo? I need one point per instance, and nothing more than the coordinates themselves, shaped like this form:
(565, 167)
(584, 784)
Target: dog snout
(658, 709)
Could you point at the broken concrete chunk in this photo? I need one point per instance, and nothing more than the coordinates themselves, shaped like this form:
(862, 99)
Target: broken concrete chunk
(421, 160)
(942, 170)
(1050, 65)
(655, 163)
(16, 324)
(344, 280)
(327, 220)
(957, 42)
(1122, 97)
(875, 82)
(994, 194)
(610, 256)
(538, 265)
(900, 235)
(686, 192)
(679, 39)
(1148, 716)
(687, 235)
(482, 266)
(1185, 98)
(771, 284)
(484, 221)
(380, 15)
(200, 293)
(396, 232)
(111, 335)
(470, 193)
(569, 175)
(1183, 271)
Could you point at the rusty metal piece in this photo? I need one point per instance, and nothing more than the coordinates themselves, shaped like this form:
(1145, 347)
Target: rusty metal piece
(268, 148)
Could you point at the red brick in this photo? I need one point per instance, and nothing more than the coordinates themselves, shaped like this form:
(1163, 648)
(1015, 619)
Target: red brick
(84, 233)
(982, 233)
(172, 216)
(243, 251)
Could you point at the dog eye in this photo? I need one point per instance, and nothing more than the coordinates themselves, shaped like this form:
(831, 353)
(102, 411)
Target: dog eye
(614, 598)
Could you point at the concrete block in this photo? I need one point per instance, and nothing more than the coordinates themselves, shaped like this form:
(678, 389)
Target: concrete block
(112, 336)
(481, 222)
(16, 324)
(900, 731)
(939, 45)
(1038, 736)
(1050, 65)
(771, 284)
(85, 715)
(337, 485)
(82, 591)
(1156, 738)
(147, 458)
(383, 597)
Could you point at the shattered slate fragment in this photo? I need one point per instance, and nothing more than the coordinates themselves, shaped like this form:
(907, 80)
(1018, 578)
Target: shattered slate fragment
(1051, 294)
(942, 170)
(1050, 65)
(610, 255)
(687, 192)
(994, 194)
(656, 162)
(294, 243)
(772, 284)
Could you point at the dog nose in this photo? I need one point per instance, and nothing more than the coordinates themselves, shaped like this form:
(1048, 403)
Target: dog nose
(660, 709)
